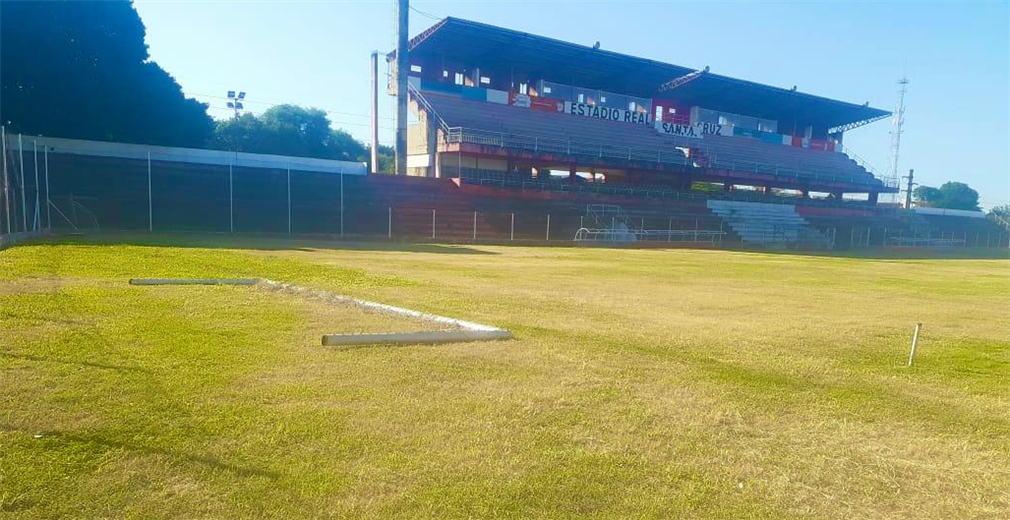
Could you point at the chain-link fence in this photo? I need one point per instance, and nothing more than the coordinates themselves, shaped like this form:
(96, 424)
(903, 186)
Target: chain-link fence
(45, 190)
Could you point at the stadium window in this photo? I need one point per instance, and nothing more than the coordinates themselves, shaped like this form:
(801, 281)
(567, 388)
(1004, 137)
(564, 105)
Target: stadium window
(415, 68)
(547, 90)
(672, 110)
(603, 99)
(445, 74)
(659, 113)
(582, 98)
(459, 78)
(632, 106)
(484, 80)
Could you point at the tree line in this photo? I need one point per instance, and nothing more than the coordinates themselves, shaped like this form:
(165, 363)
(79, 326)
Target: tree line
(82, 70)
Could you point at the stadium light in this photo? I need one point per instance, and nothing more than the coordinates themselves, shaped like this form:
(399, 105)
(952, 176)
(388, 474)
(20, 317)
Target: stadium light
(235, 101)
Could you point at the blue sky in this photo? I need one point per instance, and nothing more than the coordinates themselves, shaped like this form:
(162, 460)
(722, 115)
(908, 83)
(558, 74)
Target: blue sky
(956, 54)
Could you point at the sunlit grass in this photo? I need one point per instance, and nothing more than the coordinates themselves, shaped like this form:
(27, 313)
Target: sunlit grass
(642, 383)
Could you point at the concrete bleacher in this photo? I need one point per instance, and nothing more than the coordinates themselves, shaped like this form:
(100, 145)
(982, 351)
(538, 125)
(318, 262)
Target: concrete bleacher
(509, 126)
(556, 133)
(768, 225)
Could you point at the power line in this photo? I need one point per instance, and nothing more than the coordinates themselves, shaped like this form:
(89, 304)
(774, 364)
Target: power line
(275, 103)
(422, 13)
(332, 122)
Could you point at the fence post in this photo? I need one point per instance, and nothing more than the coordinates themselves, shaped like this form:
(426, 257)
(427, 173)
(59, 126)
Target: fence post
(150, 198)
(342, 202)
(7, 198)
(289, 201)
(512, 228)
(231, 195)
(474, 226)
(548, 227)
(38, 194)
(24, 205)
(389, 229)
(695, 230)
(49, 216)
(432, 222)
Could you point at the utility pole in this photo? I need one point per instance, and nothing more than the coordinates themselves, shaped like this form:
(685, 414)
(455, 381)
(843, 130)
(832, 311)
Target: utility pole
(402, 66)
(908, 191)
(375, 112)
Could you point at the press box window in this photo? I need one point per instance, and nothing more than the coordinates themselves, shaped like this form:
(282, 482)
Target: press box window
(415, 68)
(484, 80)
(459, 78)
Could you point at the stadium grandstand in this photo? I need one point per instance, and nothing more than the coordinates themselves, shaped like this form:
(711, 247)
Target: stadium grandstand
(512, 103)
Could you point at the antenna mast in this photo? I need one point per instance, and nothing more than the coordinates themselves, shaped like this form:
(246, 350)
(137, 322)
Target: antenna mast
(896, 128)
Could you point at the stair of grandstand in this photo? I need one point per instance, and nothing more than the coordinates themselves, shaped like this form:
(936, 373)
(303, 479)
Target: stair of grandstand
(768, 225)
(511, 127)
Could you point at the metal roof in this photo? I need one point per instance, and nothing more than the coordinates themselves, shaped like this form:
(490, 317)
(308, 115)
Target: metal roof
(570, 63)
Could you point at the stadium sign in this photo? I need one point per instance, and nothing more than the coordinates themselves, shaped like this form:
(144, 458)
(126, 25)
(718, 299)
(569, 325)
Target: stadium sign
(696, 131)
(610, 114)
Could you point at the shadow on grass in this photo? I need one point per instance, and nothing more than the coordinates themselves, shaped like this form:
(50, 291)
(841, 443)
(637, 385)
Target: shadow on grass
(175, 455)
(970, 253)
(256, 242)
(90, 364)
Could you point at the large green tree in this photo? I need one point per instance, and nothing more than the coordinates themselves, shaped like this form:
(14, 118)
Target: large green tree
(81, 69)
(288, 130)
(951, 195)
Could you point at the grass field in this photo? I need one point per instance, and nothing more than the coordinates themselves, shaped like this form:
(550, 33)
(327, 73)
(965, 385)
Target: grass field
(642, 384)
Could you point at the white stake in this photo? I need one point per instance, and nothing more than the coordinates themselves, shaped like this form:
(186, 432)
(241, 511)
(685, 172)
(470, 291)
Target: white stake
(915, 341)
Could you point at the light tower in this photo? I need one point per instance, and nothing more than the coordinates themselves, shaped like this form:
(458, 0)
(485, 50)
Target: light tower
(896, 128)
(235, 101)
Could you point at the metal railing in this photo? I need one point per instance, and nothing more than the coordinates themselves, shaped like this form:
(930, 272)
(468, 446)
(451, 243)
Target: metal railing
(564, 146)
(649, 235)
(605, 151)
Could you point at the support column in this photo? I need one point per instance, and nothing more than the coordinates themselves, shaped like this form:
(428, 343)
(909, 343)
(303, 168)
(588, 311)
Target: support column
(872, 197)
(571, 174)
(375, 112)
(402, 66)
(727, 187)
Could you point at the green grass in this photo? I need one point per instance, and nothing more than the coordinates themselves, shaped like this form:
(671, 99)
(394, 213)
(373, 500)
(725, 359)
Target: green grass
(642, 383)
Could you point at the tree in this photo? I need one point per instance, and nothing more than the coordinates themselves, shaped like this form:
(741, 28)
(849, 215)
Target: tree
(926, 196)
(386, 156)
(958, 195)
(1000, 212)
(81, 69)
(951, 195)
(288, 130)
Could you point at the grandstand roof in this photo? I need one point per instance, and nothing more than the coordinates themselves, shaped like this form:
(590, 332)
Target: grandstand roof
(560, 61)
